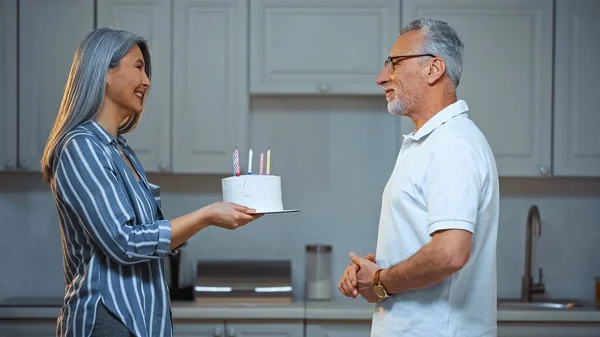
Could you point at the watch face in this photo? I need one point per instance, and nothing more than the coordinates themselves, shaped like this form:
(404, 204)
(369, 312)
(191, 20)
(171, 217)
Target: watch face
(379, 291)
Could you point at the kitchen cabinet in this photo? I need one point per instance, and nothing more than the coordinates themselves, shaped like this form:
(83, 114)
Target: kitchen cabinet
(545, 329)
(576, 99)
(320, 46)
(294, 328)
(8, 85)
(28, 328)
(505, 329)
(210, 90)
(354, 328)
(151, 139)
(204, 329)
(49, 33)
(507, 75)
(197, 108)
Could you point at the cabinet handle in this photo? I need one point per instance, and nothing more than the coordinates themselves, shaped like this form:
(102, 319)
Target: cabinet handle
(23, 165)
(231, 332)
(163, 167)
(324, 88)
(544, 170)
(218, 332)
(10, 165)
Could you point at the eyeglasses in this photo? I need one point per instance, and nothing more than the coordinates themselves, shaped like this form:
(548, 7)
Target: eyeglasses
(389, 62)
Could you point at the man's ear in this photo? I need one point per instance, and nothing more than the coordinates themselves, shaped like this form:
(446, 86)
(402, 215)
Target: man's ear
(435, 70)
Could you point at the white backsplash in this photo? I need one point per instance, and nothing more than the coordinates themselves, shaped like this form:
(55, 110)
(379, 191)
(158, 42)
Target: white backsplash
(334, 156)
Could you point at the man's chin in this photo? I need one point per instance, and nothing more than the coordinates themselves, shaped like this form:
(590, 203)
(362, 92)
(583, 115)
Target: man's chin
(395, 111)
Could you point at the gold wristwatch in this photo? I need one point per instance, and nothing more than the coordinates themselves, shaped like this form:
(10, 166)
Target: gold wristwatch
(378, 288)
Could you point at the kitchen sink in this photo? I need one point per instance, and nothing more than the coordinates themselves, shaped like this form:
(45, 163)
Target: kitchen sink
(539, 304)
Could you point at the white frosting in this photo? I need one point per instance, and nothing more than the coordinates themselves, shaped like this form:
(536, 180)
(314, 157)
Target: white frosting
(261, 192)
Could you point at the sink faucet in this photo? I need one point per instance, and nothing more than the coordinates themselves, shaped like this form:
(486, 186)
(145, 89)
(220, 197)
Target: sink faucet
(534, 227)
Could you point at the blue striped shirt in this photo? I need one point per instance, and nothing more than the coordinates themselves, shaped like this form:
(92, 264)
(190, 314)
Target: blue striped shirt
(114, 238)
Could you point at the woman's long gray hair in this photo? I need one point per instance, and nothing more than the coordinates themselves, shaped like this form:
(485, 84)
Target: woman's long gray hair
(100, 50)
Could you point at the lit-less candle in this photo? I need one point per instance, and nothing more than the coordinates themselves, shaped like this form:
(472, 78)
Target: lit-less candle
(268, 161)
(236, 155)
(262, 163)
(250, 161)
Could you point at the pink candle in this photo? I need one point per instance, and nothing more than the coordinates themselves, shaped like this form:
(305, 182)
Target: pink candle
(237, 162)
(262, 162)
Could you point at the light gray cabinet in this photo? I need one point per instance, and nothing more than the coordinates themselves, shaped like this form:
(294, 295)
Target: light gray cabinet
(49, 33)
(507, 76)
(8, 85)
(576, 99)
(548, 329)
(197, 108)
(210, 90)
(196, 329)
(151, 139)
(274, 328)
(28, 328)
(320, 46)
(341, 328)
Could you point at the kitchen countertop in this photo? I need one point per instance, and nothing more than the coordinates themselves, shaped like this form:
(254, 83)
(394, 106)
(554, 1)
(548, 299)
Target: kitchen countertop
(337, 309)
(49, 308)
(361, 310)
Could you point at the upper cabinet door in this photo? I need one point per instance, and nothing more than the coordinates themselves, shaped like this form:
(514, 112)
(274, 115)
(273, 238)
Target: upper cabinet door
(8, 85)
(512, 107)
(151, 139)
(320, 46)
(210, 91)
(576, 98)
(49, 33)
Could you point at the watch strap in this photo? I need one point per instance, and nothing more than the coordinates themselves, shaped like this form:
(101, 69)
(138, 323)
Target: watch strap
(376, 280)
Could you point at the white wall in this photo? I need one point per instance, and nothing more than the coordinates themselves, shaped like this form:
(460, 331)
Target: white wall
(334, 155)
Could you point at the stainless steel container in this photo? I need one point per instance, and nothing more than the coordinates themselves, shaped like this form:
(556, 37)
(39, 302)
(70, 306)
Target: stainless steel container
(318, 286)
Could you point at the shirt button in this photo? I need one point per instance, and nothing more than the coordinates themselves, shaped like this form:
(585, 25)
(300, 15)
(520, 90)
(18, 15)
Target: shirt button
(130, 255)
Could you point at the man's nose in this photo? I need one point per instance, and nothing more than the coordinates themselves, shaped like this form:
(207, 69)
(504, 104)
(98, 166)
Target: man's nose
(384, 77)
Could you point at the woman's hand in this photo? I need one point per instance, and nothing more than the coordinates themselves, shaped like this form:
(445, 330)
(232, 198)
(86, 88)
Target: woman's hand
(221, 214)
(230, 215)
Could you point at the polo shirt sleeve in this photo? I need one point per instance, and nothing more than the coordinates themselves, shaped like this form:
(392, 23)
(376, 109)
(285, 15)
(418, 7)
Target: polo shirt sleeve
(454, 184)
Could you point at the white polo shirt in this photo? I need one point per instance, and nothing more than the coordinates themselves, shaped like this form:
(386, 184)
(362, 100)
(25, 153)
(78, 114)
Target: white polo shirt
(445, 177)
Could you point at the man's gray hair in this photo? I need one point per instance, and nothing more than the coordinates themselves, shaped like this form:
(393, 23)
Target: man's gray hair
(440, 40)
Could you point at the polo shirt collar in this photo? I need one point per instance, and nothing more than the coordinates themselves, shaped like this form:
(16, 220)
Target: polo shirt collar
(438, 119)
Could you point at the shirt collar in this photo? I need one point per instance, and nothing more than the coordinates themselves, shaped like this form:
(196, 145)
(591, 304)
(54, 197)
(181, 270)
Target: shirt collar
(438, 119)
(104, 135)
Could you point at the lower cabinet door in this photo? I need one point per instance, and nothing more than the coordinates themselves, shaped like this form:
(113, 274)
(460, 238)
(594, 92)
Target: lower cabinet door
(338, 329)
(204, 329)
(28, 328)
(291, 328)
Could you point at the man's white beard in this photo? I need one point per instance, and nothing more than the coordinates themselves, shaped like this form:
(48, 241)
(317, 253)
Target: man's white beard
(397, 107)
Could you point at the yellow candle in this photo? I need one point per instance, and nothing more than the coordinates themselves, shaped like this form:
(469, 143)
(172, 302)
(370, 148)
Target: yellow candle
(268, 161)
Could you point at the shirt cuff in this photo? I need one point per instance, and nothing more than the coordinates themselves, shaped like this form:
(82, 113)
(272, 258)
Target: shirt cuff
(164, 237)
(451, 224)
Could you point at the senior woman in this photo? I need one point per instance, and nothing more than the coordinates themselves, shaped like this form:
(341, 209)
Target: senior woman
(114, 238)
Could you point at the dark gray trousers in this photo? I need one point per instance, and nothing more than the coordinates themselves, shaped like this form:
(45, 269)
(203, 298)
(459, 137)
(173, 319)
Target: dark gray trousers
(107, 324)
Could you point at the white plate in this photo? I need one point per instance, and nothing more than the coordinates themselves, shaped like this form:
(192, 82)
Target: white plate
(275, 212)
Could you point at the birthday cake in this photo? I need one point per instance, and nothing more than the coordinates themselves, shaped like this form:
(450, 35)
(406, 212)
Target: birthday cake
(260, 192)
